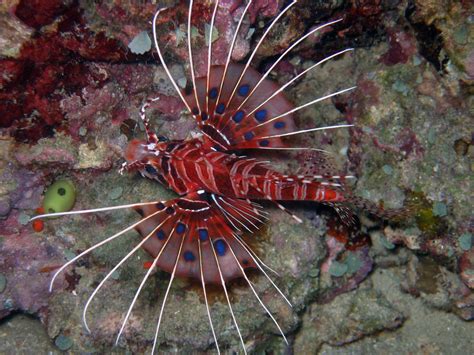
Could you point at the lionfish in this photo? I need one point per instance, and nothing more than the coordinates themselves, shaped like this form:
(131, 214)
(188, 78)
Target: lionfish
(201, 234)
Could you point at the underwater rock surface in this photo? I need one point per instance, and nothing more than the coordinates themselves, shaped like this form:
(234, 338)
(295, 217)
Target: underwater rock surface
(70, 94)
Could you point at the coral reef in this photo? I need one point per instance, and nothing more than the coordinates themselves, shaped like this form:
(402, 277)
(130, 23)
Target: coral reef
(70, 92)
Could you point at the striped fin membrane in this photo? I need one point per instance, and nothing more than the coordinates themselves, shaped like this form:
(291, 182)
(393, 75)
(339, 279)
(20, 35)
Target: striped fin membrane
(239, 127)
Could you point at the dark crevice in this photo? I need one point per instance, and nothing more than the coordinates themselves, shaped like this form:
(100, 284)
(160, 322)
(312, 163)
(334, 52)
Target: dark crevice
(430, 41)
(15, 313)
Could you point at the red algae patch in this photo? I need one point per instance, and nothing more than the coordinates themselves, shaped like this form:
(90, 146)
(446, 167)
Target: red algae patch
(38, 13)
(52, 65)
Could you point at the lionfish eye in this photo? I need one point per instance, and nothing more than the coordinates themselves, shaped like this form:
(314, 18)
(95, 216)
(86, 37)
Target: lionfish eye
(162, 139)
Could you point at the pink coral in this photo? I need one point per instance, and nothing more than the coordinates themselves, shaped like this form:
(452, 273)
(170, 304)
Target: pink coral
(23, 257)
(402, 47)
(266, 8)
(82, 111)
(466, 266)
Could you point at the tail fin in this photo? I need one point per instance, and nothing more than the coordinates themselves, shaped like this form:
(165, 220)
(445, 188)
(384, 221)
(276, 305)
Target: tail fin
(328, 190)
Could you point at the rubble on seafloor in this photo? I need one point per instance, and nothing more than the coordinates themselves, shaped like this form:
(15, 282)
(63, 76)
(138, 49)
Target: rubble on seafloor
(70, 92)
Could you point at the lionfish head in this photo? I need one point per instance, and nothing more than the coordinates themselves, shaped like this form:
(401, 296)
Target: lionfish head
(144, 156)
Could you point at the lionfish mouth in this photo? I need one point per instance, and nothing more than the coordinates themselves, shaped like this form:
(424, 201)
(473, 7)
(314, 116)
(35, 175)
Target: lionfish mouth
(200, 235)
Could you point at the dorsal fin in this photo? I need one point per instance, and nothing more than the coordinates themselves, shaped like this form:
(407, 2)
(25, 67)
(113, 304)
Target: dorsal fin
(237, 127)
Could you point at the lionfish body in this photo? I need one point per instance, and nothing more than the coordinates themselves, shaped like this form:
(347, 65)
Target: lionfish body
(189, 166)
(200, 234)
(217, 188)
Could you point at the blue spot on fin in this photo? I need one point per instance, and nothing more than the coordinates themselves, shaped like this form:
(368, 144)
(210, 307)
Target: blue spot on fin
(203, 234)
(244, 90)
(220, 246)
(180, 228)
(189, 256)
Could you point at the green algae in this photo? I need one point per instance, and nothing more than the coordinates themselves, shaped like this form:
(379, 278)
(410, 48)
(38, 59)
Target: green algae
(140, 44)
(387, 169)
(432, 135)
(59, 197)
(115, 275)
(215, 33)
(465, 241)
(63, 342)
(116, 192)
(426, 219)
(23, 219)
(353, 262)
(338, 269)
(440, 209)
(461, 35)
(69, 254)
(401, 87)
(8, 304)
(3, 283)
(387, 244)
